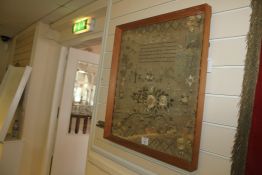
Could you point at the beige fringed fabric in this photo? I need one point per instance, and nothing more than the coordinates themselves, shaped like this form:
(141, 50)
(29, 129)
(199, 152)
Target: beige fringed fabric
(239, 152)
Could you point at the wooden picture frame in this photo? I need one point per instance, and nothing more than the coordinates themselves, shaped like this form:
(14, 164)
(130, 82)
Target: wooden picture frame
(141, 46)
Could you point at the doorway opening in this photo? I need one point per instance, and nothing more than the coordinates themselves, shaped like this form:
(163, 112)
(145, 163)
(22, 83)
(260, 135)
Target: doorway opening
(83, 98)
(76, 109)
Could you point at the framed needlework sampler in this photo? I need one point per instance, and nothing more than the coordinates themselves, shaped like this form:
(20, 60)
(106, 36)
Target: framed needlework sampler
(157, 85)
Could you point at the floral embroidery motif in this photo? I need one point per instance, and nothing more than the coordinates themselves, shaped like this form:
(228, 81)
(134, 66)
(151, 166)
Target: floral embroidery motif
(193, 22)
(184, 99)
(190, 80)
(157, 85)
(153, 99)
(149, 77)
(163, 100)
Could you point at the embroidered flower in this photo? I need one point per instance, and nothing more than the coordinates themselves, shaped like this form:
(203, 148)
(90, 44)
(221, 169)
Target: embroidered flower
(154, 100)
(151, 101)
(149, 77)
(192, 23)
(163, 101)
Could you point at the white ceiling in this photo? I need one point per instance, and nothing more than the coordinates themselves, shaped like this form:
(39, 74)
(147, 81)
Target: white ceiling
(16, 15)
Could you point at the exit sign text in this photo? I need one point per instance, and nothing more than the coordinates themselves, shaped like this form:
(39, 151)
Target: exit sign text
(83, 25)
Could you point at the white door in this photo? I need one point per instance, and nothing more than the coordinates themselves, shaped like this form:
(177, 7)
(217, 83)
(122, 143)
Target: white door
(71, 143)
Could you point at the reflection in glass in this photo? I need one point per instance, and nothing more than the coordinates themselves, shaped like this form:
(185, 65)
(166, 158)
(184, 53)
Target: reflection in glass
(83, 97)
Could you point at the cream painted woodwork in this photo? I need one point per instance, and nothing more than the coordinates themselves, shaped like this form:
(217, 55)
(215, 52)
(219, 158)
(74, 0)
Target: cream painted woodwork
(212, 164)
(236, 56)
(38, 99)
(92, 169)
(125, 7)
(23, 47)
(63, 26)
(221, 110)
(97, 9)
(11, 91)
(105, 77)
(38, 48)
(10, 161)
(56, 100)
(107, 60)
(17, 15)
(221, 9)
(225, 81)
(6, 49)
(70, 149)
(213, 135)
(229, 27)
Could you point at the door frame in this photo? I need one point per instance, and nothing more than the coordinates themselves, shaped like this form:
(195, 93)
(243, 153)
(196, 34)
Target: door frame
(51, 136)
(56, 103)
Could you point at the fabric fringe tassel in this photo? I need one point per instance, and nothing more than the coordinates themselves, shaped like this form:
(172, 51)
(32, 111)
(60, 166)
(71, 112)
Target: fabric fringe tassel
(254, 37)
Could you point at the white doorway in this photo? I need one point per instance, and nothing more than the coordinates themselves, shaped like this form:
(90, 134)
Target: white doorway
(70, 151)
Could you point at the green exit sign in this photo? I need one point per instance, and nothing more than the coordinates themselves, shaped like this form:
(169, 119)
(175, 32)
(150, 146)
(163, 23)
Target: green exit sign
(83, 25)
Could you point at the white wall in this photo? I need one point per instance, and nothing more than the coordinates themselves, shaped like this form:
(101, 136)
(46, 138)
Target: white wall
(229, 27)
